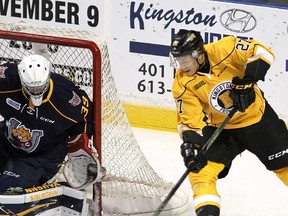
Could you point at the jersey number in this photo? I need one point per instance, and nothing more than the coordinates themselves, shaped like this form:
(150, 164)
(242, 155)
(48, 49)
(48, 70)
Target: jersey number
(179, 104)
(243, 45)
(85, 106)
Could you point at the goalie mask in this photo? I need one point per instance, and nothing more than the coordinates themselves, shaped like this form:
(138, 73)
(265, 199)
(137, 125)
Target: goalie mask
(34, 75)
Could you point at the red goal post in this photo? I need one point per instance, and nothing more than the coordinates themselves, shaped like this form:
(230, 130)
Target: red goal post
(131, 186)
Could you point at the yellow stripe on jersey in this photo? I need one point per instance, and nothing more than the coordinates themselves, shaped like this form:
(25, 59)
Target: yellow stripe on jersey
(62, 113)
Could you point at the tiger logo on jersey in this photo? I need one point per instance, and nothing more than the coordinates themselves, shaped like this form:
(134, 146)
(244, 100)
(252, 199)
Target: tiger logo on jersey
(21, 133)
(220, 98)
(21, 137)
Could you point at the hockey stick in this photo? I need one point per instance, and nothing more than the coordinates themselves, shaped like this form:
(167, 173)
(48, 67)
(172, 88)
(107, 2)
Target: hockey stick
(203, 150)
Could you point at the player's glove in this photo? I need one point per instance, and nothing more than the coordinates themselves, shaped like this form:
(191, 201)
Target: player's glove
(242, 93)
(193, 159)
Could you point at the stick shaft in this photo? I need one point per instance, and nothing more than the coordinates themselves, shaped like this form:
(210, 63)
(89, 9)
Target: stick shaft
(216, 133)
(203, 150)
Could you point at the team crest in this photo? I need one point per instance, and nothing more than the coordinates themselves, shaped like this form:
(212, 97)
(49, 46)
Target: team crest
(2, 71)
(220, 98)
(21, 137)
(76, 100)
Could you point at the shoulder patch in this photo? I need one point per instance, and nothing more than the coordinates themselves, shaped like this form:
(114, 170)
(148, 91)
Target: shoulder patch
(75, 100)
(199, 84)
(13, 103)
(2, 71)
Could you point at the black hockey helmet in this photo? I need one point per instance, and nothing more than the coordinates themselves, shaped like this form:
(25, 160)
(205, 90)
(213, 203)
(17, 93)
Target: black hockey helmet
(187, 42)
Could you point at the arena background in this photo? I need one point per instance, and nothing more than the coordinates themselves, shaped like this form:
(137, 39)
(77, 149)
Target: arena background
(139, 33)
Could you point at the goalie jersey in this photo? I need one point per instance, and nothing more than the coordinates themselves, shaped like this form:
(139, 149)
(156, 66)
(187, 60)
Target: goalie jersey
(65, 111)
(204, 98)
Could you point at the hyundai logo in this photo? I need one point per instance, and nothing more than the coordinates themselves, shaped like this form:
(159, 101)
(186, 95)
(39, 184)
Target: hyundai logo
(237, 20)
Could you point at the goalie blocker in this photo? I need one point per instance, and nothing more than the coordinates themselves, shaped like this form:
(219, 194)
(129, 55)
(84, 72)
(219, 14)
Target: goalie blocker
(83, 167)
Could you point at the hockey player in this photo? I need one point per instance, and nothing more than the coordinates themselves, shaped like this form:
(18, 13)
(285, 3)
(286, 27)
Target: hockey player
(209, 81)
(46, 117)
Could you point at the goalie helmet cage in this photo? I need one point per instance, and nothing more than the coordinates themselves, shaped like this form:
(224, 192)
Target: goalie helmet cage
(131, 186)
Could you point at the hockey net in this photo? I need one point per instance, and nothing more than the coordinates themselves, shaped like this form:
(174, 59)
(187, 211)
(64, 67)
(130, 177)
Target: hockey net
(131, 186)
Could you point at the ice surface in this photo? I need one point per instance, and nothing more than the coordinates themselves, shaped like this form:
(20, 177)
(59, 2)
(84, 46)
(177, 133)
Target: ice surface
(248, 190)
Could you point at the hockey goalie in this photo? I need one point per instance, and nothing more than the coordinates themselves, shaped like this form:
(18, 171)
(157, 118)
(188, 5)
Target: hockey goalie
(46, 118)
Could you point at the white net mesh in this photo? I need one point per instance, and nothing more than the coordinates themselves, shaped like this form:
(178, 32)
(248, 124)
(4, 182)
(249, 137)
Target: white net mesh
(131, 186)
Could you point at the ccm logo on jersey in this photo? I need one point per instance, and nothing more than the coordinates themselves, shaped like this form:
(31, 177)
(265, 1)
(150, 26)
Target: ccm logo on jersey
(277, 155)
(9, 173)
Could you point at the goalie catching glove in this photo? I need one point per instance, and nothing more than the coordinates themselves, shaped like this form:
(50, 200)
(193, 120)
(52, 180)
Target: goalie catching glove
(83, 167)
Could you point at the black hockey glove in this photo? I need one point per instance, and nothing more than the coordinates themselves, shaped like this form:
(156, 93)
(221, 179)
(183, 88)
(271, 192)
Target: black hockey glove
(242, 93)
(193, 160)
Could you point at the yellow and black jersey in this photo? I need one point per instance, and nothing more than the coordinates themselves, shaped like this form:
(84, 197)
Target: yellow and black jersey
(204, 98)
(43, 130)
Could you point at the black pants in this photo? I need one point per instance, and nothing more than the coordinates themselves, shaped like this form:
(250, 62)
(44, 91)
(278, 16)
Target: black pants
(27, 172)
(267, 139)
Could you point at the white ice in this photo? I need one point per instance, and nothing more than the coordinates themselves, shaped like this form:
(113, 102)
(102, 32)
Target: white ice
(248, 190)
